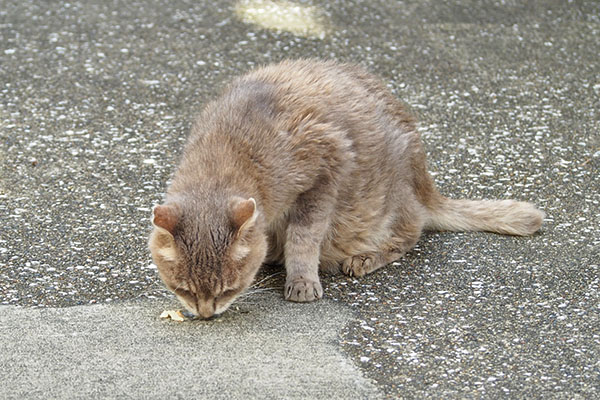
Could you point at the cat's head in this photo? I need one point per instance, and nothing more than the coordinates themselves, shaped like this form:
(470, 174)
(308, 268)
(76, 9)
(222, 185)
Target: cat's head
(207, 253)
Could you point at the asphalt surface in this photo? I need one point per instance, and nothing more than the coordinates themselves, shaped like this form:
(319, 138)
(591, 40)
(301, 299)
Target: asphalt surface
(96, 99)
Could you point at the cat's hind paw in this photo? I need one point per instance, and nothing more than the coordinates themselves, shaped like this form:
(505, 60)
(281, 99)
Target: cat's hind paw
(359, 265)
(303, 290)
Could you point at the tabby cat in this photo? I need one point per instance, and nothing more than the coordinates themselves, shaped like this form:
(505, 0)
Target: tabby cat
(311, 164)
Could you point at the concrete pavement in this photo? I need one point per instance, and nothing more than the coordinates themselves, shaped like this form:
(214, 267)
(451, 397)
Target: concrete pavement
(267, 350)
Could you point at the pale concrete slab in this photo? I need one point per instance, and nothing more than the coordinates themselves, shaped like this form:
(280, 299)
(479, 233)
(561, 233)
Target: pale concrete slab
(270, 349)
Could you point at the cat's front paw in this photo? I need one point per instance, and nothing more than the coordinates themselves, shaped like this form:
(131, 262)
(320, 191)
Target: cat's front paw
(302, 289)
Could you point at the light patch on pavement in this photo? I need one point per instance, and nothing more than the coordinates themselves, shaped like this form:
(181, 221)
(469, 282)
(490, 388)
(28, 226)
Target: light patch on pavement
(301, 20)
(267, 349)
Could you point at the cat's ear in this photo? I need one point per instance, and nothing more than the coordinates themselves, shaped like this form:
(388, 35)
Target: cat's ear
(165, 217)
(162, 242)
(243, 214)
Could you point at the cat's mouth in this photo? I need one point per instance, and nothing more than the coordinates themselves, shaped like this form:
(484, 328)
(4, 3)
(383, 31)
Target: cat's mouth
(190, 315)
(203, 313)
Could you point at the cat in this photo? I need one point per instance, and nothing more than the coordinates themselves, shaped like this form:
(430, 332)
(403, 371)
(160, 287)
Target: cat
(311, 164)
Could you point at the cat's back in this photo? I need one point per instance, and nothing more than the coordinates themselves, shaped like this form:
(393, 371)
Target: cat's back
(269, 112)
(271, 96)
(323, 86)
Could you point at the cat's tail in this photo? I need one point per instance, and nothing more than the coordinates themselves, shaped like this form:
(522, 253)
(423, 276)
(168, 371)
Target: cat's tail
(501, 216)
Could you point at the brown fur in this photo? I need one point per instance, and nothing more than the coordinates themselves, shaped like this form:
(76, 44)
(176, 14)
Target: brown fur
(310, 164)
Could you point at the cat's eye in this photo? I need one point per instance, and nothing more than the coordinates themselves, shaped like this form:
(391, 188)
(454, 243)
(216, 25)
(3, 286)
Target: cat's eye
(183, 292)
(228, 293)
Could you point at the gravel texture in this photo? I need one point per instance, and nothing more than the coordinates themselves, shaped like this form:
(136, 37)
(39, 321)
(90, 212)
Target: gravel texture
(96, 99)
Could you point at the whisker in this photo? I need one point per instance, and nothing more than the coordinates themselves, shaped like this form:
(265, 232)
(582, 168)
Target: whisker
(253, 292)
(156, 285)
(267, 278)
(244, 303)
(260, 290)
(248, 294)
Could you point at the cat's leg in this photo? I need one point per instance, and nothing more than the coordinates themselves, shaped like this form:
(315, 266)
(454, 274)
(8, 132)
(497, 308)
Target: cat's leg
(404, 238)
(308, 223)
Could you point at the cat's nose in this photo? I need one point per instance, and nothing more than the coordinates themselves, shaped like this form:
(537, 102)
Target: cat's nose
(206, 310)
